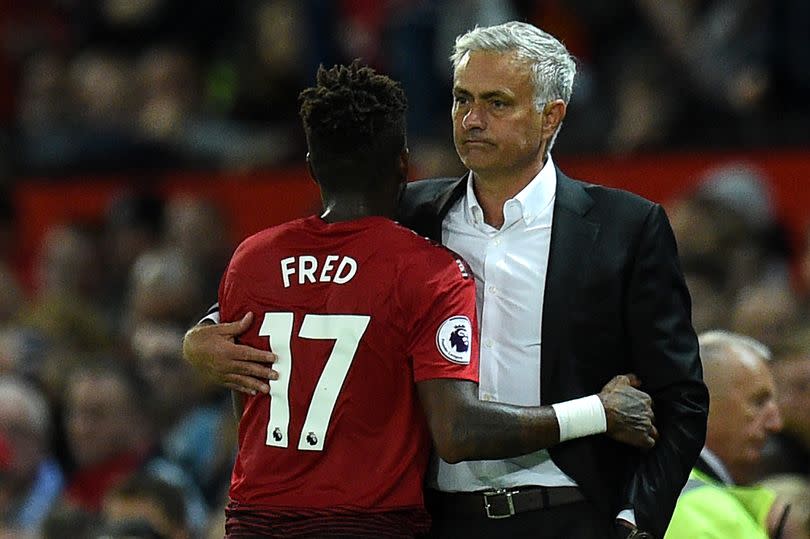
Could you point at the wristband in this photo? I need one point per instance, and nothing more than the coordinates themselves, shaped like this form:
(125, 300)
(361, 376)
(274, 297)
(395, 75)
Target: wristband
(580, 417)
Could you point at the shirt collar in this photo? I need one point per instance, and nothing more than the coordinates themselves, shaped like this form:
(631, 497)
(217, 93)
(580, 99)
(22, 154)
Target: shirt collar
(531, 203)
(716, 465)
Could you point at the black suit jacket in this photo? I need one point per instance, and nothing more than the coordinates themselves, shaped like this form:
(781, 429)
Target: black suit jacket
(615, 302)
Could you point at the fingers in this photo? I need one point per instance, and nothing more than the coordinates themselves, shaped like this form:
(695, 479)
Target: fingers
(253, 370)
(633, 380)
(246, 384)
(235, 329)
(248, 353)
(629, 379)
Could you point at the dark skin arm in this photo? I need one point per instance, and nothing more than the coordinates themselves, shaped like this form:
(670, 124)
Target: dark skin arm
(465, 428)
(462, 426)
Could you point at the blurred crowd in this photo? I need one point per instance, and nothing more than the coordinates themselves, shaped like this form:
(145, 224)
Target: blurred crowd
(101, 421)
(105, 431)
(90, 85)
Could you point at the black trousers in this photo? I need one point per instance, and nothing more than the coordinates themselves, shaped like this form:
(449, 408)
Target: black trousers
(579, 520)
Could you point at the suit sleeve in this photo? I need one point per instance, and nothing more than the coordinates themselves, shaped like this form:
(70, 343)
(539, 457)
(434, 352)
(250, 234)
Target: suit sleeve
(665, 355)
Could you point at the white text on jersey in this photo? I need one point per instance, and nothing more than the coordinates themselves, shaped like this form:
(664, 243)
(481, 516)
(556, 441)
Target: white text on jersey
(307, 266)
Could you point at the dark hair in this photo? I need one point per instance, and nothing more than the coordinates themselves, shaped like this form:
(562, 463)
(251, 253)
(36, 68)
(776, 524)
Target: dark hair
(169, 497)
(354, 119)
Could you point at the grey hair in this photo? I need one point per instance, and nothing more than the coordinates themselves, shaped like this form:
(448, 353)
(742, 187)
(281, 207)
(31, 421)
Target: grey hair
(15, 389)
(553, 67)
(714, 344)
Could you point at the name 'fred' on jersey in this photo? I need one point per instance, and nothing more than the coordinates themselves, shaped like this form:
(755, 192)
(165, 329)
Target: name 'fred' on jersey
(305, 269)
(356, 312)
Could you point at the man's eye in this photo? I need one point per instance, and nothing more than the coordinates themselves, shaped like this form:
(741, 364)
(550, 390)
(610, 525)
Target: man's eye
(460, 99)
(498, 104)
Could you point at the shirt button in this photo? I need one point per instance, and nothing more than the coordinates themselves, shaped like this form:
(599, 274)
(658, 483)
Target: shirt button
(486, 397)
(491, 289)
(497, 241)
(488, 343)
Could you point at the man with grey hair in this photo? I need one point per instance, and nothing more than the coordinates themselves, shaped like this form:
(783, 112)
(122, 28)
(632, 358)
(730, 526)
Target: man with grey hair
(30, 478)
(717, 501)
(575, 284)
(743, 410)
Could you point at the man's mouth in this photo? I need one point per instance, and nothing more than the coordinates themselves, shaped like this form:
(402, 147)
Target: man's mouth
(477, 142)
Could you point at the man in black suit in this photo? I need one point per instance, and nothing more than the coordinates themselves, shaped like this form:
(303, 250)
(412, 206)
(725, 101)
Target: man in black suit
(576, 283)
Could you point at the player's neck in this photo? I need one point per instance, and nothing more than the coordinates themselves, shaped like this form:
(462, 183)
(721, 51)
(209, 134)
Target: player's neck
(351, 207)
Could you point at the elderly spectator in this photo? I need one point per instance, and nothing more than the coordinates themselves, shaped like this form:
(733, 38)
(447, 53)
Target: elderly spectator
(30, 478)
(789, 450)
(742, 413)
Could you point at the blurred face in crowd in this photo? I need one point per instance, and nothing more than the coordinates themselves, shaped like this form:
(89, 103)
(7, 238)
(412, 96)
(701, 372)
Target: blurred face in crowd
(792, 375)
(24, 441)
(496, 128)
(174, 385)
(118, 508)
(101, 421)
(742, 410)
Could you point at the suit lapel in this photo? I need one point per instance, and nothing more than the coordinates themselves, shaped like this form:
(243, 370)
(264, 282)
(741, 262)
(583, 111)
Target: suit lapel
(442, 204)
(572, 239)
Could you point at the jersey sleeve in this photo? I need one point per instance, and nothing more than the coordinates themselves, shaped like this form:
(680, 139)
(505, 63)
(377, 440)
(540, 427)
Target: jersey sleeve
(444, 329)
(224, 310)
(220, 308)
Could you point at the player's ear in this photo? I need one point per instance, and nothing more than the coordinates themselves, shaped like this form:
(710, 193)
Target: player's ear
(404, 157)
(311, 172)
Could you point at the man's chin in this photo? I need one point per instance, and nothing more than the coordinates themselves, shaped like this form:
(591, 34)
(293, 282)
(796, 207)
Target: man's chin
(477, 163)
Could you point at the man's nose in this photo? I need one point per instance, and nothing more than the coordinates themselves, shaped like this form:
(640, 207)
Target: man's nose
(773, 422)
(474, 118)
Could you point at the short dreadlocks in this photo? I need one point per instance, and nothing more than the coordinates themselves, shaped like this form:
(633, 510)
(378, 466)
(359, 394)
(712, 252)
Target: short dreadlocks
(354, 119)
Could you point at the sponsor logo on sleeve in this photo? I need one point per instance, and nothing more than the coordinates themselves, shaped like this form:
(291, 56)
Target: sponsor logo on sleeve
(453, 339)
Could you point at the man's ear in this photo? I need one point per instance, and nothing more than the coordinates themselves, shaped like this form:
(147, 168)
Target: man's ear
(553, 114)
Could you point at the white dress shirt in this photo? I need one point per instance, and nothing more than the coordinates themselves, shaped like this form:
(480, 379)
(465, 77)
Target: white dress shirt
(509, 265)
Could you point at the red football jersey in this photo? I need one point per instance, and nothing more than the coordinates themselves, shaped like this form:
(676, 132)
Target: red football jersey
(357, 312)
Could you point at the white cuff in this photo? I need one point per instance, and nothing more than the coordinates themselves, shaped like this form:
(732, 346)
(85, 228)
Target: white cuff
(580, 417)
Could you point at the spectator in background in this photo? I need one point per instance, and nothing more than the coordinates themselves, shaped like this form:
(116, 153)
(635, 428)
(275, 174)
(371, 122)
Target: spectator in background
(12, 297)
(793, 490)
(759, 250)
(803, 265)
(133, 224)
(789, 450)
(107, 429)
(163, 287)
(197, 228)
(192, 418)
(742, 413)
(31, 480)
(765, 311)
(68, 521)
(65, 306)
(110, 436)
(142, 496)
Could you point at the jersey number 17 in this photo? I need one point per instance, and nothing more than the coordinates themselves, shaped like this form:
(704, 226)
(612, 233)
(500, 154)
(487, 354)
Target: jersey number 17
(346, 330)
